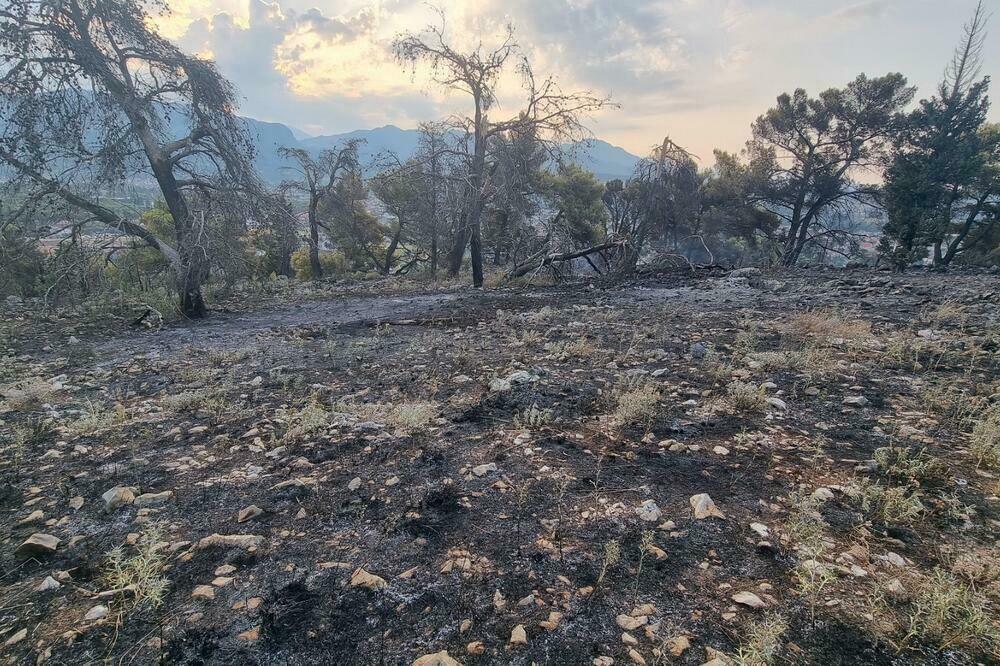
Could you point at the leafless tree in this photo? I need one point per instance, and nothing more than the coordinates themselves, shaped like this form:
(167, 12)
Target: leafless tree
(549, 113)
(316, 178)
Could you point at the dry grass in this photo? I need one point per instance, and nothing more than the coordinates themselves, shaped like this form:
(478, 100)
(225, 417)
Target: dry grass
(909, 465)
(28, 395)
(893, 505)
(188, 401)
(827, 326)
(985, 441)
(744, 397)
(405, 417)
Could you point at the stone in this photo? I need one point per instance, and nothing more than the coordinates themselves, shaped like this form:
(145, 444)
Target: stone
(441, 658)
(630, 623)
(552, 623)
(475, 648)
(96, 613)
(37, 545)
(649, 511)
(203, 592)
(16, 638)
(518, 636)
(249, 513)
(749, 599)
(483, 470)
(777, 403)
(603, 660)
(629, 639)
(147, 500)
(117, 497)
(76, 503)
(855, 401)
(678, 645)
(636, 658)
(521, 377)
(822, 494)
(245, 541)
(250, 635)
(362, 578)
(704, 507)
(33, 517)
(761, 529)
(720, 451)
(48, 584)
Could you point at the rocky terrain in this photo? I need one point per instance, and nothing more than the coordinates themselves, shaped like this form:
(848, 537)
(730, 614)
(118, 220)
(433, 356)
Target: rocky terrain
(724, 469)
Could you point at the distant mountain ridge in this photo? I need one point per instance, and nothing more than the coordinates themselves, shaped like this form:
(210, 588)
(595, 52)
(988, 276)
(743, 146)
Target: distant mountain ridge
(605, 160)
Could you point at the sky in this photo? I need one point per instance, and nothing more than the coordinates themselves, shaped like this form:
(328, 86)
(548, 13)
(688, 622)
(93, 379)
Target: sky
(698, 71)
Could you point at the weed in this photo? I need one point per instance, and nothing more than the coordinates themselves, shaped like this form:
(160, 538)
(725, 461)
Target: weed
(28, 394)
(311, 420)
(95, 418)
(142, 572)
(762, 642)
(612, 555)
(404, 416)
(188, 401)
(828, 326)
(952, 613)
(909, 465)
(894, 505)
(533, 417)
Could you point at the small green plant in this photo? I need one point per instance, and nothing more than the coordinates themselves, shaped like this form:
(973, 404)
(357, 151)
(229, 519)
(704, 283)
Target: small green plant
(807, 529)
(645, 545)
(309, 421)
(406, 417)
(533, 417)
(95, 418)
(140, 572)
(762, 642)
(952, 613)
(187, 401)
(612, 555)
(893, 505)
(908, 465)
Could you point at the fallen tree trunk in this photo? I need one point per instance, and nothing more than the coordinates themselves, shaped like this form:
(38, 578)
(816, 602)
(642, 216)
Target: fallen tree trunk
(540, 262)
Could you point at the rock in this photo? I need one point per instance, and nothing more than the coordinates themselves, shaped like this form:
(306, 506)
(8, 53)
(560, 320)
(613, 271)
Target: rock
(761, 529)
(629, 639)
(246, 541)
(521, 377)
(48, 584)
(749, 599)
(745, 273)
(147, 500)
(720, 451)
(251, 635)
(249, 513)
(636, 658)
(475, 648)
(777, 403)
(698, 350)
(76, 503)
(483, 470)
(855, 401)
(552, 623)
(225, 570)
(629, 623)
(354, 484)
(116, 497)
(812, 391)
(362, 578)
(16, 638)
(518, 636)
(203, 592)
(37, 545)
(33, 517)
(441, 658)
(678, 645)
(96, 613)
(704, 507)
(822, 494)
(649, 512)
(603, 661)
(499, 385)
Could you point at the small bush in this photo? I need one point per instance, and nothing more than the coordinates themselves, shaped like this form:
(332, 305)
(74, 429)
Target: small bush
(332, 263)
(637, 405)
(142, 571)
(406, 417)
(826, 326)
(913, 466)
(894, 505)
(746, 397)
(762, 642)
(28, 395)
(187, 401)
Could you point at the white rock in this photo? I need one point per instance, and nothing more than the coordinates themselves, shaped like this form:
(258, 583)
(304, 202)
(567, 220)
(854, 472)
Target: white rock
(749, 599)
(96, 613)
(704, 507)
(649, 511)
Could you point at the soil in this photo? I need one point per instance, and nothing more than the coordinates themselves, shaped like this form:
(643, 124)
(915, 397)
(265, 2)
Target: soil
(499, 505)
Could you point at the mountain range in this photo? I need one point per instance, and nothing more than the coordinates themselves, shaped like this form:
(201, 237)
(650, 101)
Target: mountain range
(601, 158)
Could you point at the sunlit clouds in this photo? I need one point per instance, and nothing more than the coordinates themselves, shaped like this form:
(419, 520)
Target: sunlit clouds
(698, 70)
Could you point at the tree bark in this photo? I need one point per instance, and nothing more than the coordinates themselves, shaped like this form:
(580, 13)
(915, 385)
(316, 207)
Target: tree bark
(314, 263)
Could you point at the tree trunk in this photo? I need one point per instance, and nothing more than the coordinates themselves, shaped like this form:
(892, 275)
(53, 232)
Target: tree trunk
(314, 262)
(393, 244)
(458, 250)
(434, 252)
(476, 250)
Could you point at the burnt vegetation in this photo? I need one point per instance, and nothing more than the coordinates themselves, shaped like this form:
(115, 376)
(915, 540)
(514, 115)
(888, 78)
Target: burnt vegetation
(739, 415)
